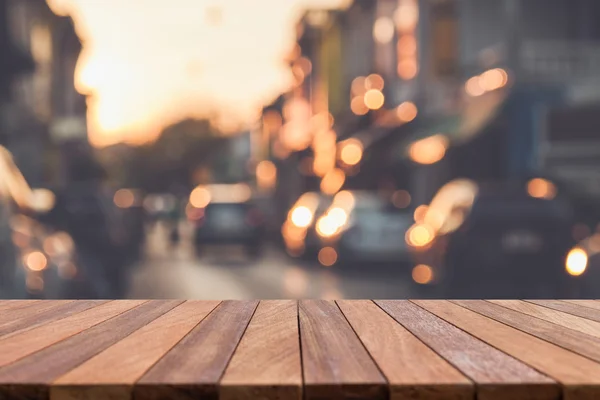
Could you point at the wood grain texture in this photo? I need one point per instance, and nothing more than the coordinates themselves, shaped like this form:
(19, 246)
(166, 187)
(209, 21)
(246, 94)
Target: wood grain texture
(413, 370)
(574, 309)
(62, 310)
(28, 342)
(112, 373)
(10, 316)
(581, 343)
(497, 375)
(336, 365)
(28, 378)
(266, 364)
(595, 304)
(579, 376)
(556, 317)
(193, 367)
(14, 304)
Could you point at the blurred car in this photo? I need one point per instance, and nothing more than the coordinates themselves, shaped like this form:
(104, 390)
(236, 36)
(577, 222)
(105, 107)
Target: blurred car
(226, 214)
(298, 231)
(88, 214)
(505, 240)
(362, 227)
(15, 196)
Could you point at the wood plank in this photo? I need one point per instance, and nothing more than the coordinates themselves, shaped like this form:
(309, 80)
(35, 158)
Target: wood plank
(413, 370)
(13, 304)
(579, 376)
(28, 342)
(112, 373)
(581, 343)
(497, 375)
(12, 315)
(556, 317)
(29, 377)
(193, 367)
(62, 310)
(595, 304)
(266, 364)
(574, 309)
(335, 363)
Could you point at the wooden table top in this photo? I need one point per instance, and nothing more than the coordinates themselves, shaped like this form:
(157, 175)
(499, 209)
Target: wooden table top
(308, 349)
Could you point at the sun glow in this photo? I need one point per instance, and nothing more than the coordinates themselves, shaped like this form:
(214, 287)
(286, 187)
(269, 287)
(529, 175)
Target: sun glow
(146, 66)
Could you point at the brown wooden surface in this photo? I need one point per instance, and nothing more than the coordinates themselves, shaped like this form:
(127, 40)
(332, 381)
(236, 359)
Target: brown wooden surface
(497, 375)
(573, 340)
(595, 304)
(551, 315)
(579, 376)
(195, 365)
(412, 369)
(336, 365)
(575, 309)
(112, 372)
(312, 349)
(267, 362)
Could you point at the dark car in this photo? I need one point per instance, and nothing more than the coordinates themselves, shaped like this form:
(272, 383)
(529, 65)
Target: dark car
(506, 240)
(226, 215)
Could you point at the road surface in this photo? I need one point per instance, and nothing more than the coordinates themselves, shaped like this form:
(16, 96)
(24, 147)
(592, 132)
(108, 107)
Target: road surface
(224, 273)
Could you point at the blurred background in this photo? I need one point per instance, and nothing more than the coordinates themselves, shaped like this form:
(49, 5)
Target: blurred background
(211, 149)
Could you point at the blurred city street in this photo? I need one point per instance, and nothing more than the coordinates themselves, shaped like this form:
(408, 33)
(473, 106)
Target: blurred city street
(301, 149)
(167, 271)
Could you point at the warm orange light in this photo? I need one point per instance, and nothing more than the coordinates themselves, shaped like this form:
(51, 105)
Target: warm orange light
(327, 256)
(358, 107)
(124, 198)
(407, 68)
(374, 99)
(326, 226)
(429, 150)
(322, 164)
(272, 121)
(576, 262)
(301, 216)
(358, 87)
(401, 199)
(493, 79)
(422, 274)
(406, 15)
(351, 152)
(406, 111)
(374, 81)
(420, 213)
(407, 45)
(541, 189)
(419, 235)
(333, 181)
(305, 64)
(200, 197)
(473, 87)
(344, 199)
(338, 216)
(36, 261)
(383, 30)
(266, 174)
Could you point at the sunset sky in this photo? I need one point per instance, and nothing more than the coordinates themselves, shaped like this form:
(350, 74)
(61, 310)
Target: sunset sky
(147, 63)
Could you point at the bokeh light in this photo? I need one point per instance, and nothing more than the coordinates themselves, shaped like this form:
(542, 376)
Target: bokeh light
(327, 256)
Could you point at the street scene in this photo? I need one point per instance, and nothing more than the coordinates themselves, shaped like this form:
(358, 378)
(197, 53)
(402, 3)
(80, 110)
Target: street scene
(333, 149)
